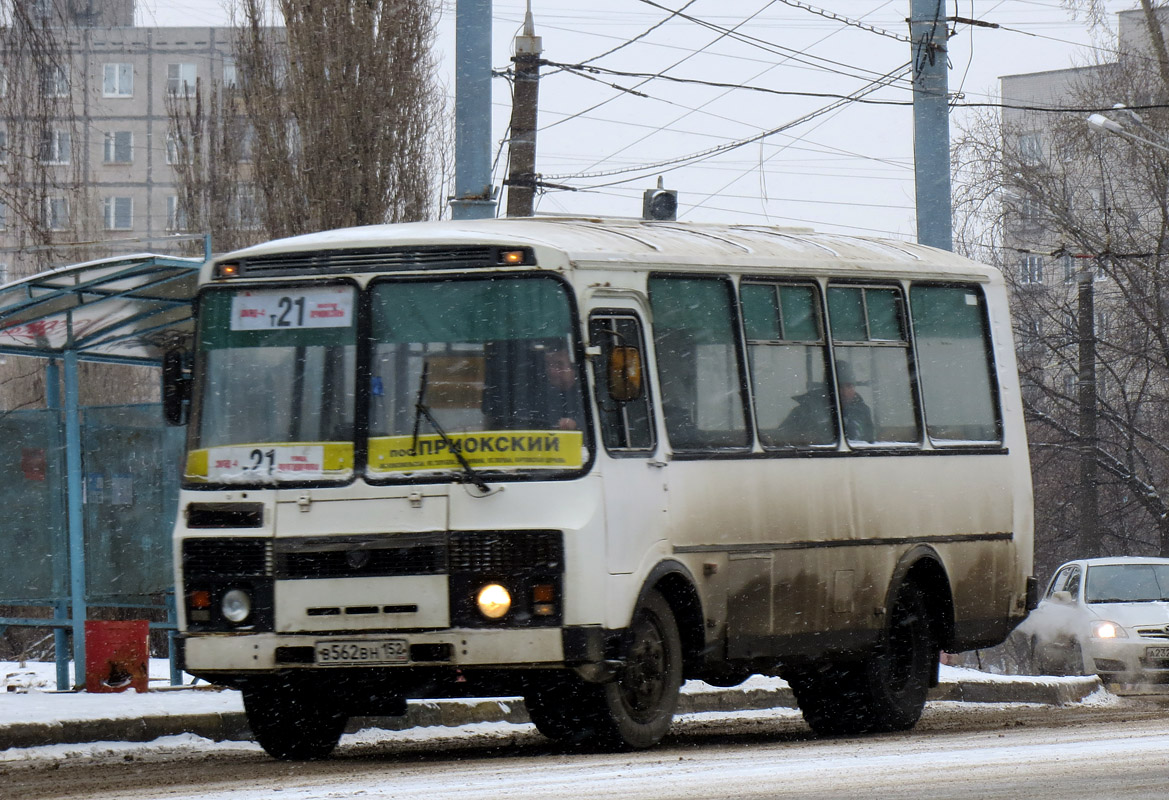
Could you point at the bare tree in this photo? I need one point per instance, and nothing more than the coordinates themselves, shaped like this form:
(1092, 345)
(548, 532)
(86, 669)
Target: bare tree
(207, 131)
(1054, 202)
(338, 121)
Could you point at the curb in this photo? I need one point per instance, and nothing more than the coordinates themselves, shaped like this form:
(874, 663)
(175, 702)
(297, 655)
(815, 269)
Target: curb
(451, 713)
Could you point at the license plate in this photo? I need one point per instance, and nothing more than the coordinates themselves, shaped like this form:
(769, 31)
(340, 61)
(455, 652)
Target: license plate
(1157, 652)
(348, 653)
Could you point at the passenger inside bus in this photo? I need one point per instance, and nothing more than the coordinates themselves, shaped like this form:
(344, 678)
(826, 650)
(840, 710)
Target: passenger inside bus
(858, 419)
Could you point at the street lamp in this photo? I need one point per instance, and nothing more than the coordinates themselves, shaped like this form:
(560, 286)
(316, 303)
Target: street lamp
(1103, 124)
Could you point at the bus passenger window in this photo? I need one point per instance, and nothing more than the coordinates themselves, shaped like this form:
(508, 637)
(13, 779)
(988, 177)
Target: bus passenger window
(954, 362)
(698, 363)
(624, 425)
(788, 356)
(871, 347)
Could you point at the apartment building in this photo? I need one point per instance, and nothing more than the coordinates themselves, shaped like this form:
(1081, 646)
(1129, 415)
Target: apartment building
(118, 78)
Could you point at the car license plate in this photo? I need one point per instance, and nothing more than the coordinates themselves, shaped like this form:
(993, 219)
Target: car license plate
(1157, 652)
(349, 653)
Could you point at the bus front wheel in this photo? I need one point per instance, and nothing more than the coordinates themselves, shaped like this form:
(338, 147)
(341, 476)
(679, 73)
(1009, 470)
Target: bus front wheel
(290, 724)
(637, 707)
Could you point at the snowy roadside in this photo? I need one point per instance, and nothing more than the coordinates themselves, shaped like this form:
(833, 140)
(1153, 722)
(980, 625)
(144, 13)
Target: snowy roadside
(28, 699)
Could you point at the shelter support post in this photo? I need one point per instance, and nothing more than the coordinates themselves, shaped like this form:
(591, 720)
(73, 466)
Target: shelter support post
(172, 615)
(74, 478)
(60, 579)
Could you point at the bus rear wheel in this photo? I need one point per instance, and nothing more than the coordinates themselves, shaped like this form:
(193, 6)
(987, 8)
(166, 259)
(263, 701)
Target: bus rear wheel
(290, 724)
(885, 692)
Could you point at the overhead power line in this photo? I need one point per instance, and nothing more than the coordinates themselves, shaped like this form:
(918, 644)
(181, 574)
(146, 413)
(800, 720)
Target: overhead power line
(580, 68)
(680, 161)
(864, 26)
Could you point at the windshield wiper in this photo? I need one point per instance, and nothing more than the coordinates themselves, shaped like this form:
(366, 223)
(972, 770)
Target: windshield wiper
(421, 410)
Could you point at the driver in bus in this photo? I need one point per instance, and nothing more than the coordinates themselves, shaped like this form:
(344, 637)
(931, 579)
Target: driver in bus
(562, 409)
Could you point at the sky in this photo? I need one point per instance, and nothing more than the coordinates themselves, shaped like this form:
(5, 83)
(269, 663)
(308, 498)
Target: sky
(846, 169)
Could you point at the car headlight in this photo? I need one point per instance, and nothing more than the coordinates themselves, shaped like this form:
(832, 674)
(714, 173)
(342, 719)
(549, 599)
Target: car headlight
(494, 601)
(236, 606)
(1107, 630)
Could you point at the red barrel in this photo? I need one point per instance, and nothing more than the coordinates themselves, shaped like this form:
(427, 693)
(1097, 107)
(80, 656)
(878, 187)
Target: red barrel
(116, 655)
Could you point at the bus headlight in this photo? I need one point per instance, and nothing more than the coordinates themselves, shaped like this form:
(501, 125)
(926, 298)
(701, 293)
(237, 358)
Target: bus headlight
(236, 606)
(494, 601)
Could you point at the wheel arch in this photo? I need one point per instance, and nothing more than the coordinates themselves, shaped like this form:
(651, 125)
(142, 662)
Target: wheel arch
(923, 567)
(676, 584)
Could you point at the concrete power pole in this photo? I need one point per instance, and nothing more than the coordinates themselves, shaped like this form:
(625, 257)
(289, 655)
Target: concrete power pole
(1090, 539)
(474, 195)
(521, 177)
(931, 122)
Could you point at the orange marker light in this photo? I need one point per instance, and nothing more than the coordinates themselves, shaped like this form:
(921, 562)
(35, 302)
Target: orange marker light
(512, 257)
(200, 599)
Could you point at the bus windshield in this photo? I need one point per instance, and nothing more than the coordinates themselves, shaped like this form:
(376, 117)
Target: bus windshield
(484, 366)
(277, 378)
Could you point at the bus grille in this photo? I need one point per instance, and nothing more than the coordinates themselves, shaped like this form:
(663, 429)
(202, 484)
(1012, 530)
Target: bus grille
(506, 552)
(215, 558)
(369, 260)
(417, 559)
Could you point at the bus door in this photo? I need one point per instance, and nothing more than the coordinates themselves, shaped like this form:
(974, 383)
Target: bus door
(634, 474)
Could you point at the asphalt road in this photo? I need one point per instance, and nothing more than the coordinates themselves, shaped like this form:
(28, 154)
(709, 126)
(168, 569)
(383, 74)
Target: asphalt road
(960, 750)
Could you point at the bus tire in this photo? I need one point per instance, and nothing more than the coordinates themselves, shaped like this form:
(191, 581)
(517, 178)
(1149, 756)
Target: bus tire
(901, 671)
(637, 707)
(290, 724)
(885, 692)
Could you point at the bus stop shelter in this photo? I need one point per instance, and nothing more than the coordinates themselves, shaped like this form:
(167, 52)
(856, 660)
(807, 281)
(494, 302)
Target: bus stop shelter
(124, 310)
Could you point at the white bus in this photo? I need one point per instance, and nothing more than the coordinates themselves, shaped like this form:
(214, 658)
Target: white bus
(582, 461)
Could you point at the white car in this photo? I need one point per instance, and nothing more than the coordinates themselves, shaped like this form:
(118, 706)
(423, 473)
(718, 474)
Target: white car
(1108, 616)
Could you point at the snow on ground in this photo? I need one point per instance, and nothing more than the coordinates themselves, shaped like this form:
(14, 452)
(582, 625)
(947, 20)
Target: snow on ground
(27, 695)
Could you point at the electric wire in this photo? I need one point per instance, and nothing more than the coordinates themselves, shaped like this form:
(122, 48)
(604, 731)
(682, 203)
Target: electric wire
(864, 26)
(680, 161)
(679, 62)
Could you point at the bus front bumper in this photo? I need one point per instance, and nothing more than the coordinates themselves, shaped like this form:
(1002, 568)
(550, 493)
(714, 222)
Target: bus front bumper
(262, 652)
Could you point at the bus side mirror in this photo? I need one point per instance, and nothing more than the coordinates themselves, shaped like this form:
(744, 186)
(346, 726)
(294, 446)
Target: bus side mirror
(176, 387)
(624, 373)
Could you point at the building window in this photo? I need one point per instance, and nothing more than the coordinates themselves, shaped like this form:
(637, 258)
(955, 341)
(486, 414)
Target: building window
(176, 218)
(56, 213)
(3, 273)
(55, 81)
(119, 213)
(247, 142)
(247, 212)
(230, 73)
(118, 80)
(3, 146)
(180, 79)
(1031, 269)
(3, 217)
(1029, 210)
(1031, 148)
(119, 147)
(56, 147)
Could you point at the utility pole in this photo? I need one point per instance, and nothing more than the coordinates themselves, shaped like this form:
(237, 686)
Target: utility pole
(474, 195)
(521, 177)
(1090, 539)
(931, 122)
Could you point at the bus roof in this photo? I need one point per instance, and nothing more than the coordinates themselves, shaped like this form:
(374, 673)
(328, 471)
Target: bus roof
(613, 242)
